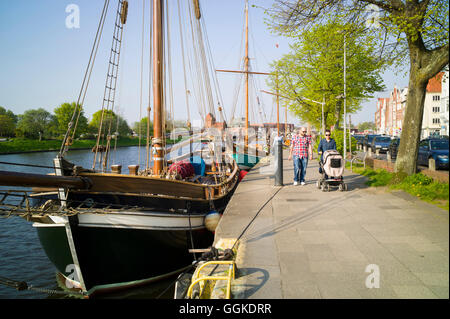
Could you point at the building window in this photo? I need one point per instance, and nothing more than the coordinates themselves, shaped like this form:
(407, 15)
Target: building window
(436, 121)
(436, 97)
(436, 109)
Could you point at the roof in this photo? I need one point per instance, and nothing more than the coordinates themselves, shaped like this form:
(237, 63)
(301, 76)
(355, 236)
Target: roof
(435, 84)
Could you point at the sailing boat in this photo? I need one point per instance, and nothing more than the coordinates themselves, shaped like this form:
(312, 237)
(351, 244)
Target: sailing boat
(104, 230)
(247, 155)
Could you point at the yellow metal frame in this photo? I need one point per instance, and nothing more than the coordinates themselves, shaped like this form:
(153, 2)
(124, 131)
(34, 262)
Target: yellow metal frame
(197, 279)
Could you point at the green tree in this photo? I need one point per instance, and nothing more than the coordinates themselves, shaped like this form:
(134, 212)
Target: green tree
(111, 123)
(7, 126)
(403, 29)
(314, 70)
(35, 123)
(142, 129)
(8, 113)
(8, 121)
(64, 114)
(366, 126)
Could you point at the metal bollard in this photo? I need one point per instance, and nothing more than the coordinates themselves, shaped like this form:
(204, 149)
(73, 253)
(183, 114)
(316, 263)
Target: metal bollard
(388, 156)
(279, 167)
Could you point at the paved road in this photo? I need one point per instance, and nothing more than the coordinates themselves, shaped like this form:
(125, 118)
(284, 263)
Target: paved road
(306, 243)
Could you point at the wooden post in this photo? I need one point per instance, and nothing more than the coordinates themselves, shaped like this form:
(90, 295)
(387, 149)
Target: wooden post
(133, 169)
(116, 169)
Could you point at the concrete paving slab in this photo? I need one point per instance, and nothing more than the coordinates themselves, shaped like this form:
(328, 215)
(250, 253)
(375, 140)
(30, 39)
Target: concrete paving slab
(311, 244)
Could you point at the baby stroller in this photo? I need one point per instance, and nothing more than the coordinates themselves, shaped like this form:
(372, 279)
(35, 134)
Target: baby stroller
(332, 168)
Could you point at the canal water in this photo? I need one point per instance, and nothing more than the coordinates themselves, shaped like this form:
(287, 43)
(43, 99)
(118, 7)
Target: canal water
(21, 255)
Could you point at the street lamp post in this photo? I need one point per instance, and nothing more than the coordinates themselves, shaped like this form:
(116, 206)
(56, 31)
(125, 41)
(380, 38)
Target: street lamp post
(345, 100)
(321, 103)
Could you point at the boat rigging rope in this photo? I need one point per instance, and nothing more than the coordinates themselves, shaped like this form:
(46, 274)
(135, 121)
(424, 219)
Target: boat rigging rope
(86, 79)
(184, 65)
(110, 85)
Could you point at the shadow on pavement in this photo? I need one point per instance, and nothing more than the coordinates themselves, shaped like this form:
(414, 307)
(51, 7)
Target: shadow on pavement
(249, 281)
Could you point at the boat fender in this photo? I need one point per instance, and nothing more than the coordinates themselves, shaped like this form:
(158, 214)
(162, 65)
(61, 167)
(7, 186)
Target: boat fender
(212, 220)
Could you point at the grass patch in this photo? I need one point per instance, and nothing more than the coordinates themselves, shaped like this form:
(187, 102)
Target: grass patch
(418, 185)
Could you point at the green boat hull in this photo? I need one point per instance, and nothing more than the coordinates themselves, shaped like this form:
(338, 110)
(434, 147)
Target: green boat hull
(245, 161)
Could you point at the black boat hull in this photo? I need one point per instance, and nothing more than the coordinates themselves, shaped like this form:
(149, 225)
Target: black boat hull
(110, 258)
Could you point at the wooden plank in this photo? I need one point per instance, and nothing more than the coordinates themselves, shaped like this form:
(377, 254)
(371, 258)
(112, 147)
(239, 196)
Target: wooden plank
(142, 184)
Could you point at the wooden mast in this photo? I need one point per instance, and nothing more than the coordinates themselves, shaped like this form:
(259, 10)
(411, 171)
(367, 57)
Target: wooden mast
(246, 64)
(247, 73)
(158, 59)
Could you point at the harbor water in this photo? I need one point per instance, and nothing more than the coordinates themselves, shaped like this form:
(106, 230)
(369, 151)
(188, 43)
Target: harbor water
(21, 255)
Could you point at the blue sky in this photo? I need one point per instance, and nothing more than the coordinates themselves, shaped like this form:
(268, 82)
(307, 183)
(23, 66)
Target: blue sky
(42, 62)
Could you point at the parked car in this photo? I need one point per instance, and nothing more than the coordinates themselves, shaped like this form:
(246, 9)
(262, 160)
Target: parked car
(436, 148)
(368, 140)
(393, 147)
(381, 143)
(359, 139)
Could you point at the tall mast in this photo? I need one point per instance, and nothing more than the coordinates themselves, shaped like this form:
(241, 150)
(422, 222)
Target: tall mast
(246, 63)
(158, 59)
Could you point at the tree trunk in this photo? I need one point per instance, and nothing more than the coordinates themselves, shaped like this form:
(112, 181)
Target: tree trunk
(412, 124)
(425, 64)
(324, 126)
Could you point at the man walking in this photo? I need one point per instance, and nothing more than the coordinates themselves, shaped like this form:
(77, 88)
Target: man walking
(300, 151)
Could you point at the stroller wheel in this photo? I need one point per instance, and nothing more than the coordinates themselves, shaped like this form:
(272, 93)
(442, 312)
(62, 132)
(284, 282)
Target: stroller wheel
(318, 184)
(341, 187)
(322, 187)
(345, 187)
(328, 188)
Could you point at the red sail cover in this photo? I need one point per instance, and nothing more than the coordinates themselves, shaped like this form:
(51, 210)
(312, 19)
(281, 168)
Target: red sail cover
(183, 168)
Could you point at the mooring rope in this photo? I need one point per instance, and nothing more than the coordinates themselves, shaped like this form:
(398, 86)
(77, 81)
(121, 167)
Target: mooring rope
(22, 286)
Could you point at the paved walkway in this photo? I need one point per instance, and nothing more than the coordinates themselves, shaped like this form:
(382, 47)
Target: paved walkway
(306, 243)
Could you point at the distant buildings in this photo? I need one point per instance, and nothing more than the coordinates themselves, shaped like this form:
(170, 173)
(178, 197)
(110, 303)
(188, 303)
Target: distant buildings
(390, 111)
(431, 123)
(444, 104)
